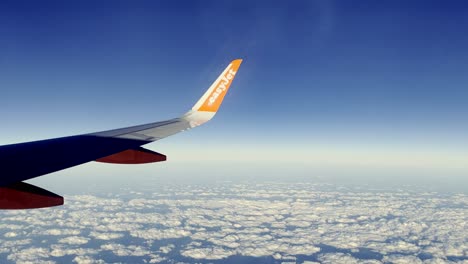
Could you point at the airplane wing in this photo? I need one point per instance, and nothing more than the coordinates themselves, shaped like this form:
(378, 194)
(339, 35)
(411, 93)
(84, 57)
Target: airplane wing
(19, 162)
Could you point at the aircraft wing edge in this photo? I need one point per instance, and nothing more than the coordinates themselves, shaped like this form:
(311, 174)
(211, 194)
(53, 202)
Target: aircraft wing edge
(203, 111)
(27, 160)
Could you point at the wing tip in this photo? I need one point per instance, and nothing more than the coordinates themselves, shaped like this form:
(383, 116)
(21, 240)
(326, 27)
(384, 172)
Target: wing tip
(213, 97)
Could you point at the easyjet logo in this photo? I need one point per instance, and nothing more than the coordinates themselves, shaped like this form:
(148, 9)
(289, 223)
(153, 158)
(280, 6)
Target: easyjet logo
(222, 86)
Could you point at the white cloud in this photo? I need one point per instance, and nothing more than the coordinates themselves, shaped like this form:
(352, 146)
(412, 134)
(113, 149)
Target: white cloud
(212, 253)
(87, 260)
(3, 249)
(19, 243)
(402, 259)
(159, 234)
(457, 250)
(30, 255)
(166, 249)
(60, 250)
(341, 258)
(74, 240)
(122, 250)
(106, 236)
(10, 234)
(400, 247)
(11, 226)
(157, 259)
(438, 261)
(59, 232)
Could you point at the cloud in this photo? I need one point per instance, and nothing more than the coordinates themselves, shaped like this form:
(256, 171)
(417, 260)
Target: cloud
(211, 253)
(15, 243)
(342, 258)
(122, 250)
(282, 221)
(156, 259)
(437, 261)
(106, 236)
(60, 250)
(10, 226)
(58, 232)
(87, 260)
(159, 234)
(30, 255)
(166, 249)
(74, 240)
(10, 234)
(402, 259)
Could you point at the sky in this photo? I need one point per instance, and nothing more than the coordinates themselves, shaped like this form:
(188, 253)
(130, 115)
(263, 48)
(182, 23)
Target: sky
(326, 88)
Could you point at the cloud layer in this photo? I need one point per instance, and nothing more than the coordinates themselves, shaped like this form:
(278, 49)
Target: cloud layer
(273, 222)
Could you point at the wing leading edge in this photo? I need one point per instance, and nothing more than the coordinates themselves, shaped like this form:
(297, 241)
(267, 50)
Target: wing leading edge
(19, 162)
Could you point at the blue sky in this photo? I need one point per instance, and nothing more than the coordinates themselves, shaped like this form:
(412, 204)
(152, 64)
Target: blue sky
(340, 84)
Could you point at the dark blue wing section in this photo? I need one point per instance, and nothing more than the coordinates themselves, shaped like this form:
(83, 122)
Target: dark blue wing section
(24, 161)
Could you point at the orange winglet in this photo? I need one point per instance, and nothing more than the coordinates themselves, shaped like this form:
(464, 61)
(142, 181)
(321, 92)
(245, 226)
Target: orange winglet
(219, 89)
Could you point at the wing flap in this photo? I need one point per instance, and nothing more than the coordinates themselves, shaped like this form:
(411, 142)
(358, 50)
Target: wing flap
(134, 156)
(22, 195)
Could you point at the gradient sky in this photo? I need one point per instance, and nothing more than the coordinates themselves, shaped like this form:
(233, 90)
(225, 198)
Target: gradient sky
(343, 85)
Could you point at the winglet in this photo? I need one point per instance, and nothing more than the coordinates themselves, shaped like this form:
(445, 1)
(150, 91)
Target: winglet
(214, 96)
